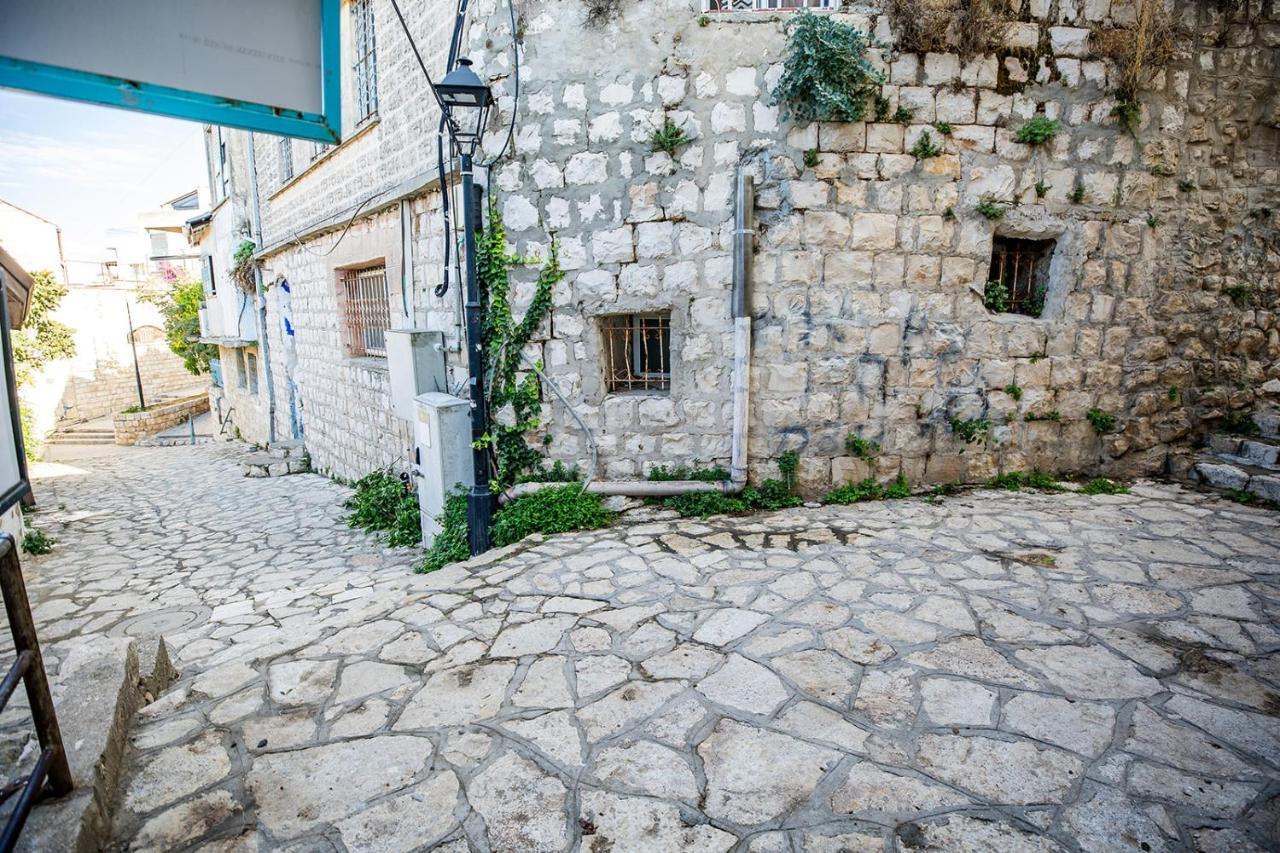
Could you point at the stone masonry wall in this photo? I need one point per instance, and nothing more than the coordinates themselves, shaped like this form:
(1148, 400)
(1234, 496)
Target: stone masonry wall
(869, 269)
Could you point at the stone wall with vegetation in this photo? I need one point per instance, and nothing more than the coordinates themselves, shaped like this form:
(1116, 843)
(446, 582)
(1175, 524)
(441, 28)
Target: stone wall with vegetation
(132, 426)
(874, 247)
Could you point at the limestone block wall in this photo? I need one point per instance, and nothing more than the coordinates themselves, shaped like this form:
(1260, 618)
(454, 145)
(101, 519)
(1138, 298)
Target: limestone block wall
(870, 264)
(132, 426)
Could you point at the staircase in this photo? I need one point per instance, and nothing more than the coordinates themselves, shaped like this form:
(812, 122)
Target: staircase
(84, 434)
(280, 458)
(1244, 464)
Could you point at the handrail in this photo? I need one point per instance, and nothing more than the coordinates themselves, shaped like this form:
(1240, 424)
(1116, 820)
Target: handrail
(51, 765)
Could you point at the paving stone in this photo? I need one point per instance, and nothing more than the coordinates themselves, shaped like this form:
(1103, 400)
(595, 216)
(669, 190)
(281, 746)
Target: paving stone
(176, 771)
(887, 697)
(963, 834)
(1152, 736)
(816, 723)
(733, 755)
(1008, 772)
(523, 808)
(457, 696)
(745, 685)
(554, 734)
(301, 682)
(1083, 727)
(625, 707)
(870, 789)
(408, 821)
(1090, 672)
(948, 702)
(366, 678)
(303, 789)
(175, 827)
(644, 767)
(1206, 796)
(531, 638)
(684, 661)
(724, 626)
(824, 676)
(643, 826)
(1109, 819)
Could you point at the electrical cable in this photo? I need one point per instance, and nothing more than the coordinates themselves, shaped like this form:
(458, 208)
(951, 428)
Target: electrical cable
(413, 44)
(515, 102)
(345, 229)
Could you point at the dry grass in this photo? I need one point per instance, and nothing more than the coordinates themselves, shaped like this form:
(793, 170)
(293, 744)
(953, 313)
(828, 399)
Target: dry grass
(966, 27)
(1140, 52)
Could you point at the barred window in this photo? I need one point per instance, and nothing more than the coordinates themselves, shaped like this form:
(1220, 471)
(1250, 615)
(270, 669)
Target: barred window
(365, 65)
(768, 5)
(637, 350)
(286, 159)
(1022, 269)
(242, 372)
(367, 311)
(251, 367)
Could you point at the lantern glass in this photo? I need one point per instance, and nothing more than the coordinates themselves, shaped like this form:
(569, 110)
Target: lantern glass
(465, 100)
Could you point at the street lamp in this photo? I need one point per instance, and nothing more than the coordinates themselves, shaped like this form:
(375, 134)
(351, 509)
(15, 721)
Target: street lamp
(465, 100)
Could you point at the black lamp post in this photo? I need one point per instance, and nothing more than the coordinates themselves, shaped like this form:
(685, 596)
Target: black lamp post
(465, 101)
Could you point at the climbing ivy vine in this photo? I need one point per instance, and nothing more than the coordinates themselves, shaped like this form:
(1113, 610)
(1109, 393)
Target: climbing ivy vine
(513, 392)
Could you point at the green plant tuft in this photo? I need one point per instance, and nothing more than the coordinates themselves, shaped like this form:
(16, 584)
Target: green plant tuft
(554, 510)
(812, 158)
(995, 296)
(943, 127)
(925, 147)
(863, 448)
(1077, 193)
(663, 474)
(1102, 421)
(788, 464)
(1186, 185)
(989, 209)
(668, 138)
(1017, 480)
(970, 430)
(1240, 294)
(37, 542)
(1174, 393)
(704, 20)
(769, 495)
(1240, 496)
(451, 544)
(1051, 415)
(851, 493)
(1153, 221)
(1037, 130)
(1013, 391)
(1103, 486)
(1042, 189)
(902, 115)
(1239, 423)
(898, 489)
(827, 74)
(384, 504)
(557, 473)
(949, 214)
(1127, 112)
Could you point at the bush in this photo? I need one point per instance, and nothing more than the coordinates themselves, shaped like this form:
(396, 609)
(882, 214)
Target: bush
(1017, 480)
(850, 493)
(769, 495)
(827, 75)
(557, 473)
(1103, 486)
(788, 464)
(451, 544)
(989, 209)
(37, 542)
(555, 510)
(1239, 423)
(180, 308)
(899, 488)
(995, 296)
(383, 503)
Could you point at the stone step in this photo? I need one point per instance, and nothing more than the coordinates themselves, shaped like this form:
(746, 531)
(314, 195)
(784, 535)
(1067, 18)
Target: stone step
(1231, 477)
(291, 449)
(65, 439)
(96, 692)
(269, 465)
(1268, 424)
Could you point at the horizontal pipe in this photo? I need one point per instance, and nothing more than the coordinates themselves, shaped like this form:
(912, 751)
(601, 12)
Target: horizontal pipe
(632, 488)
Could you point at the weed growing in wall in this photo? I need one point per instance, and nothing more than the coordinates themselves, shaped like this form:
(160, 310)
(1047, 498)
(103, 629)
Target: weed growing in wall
(925, 147)
(811, 158)
(668, 138)
(1077, 193)
(1250, 499)
(1239, 423)
(1037, 131)
(989, 209)
(995, 296)
(1014, 481)
(1103, 486)
(863, 448)
(1240, 294)
(970, 430)
(827, 75)
(868, 490)
(1051, 415)
(554, 510)
(943, 127)
(1102, 421)
(788, 464)
(1013, 391)
(1042, 189)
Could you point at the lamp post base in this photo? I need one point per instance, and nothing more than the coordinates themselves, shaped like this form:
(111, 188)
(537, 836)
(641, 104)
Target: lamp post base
(479, 516)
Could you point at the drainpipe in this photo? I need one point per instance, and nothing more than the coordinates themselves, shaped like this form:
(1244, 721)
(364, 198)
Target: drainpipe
(743, 244)
(264, 344)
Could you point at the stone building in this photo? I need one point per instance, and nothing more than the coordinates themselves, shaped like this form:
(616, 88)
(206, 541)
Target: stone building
(1139, 264)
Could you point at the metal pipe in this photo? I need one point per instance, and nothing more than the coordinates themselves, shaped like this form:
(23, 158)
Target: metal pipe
(632, 488)
(264, 343)
(480, 500)
(133, 345)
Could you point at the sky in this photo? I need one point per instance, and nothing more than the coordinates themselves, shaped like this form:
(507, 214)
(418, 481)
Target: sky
(92, 170)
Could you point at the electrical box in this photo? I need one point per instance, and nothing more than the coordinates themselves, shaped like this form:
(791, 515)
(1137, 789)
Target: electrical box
(442, 454)
(415, 360)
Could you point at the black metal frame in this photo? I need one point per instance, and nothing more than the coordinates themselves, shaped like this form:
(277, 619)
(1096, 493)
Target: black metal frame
(51, 765)
(16, 493)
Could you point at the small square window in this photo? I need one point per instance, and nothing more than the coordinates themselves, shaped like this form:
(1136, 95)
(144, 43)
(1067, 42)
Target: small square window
(251, 367)
(242, 372)
(367, 311)
(637, 349)
(1021, 269)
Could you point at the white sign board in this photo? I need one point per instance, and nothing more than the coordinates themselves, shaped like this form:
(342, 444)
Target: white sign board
(261, 64)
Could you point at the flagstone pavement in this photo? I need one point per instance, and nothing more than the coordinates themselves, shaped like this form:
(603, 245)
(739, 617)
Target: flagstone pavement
(998, 671)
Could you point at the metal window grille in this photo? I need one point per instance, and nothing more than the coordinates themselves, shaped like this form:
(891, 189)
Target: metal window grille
(365, 66)
(368, 311)
(251, 365)
(768, 5)
(318, 150)
(637, 351)
(1022, 266)
(286, 159)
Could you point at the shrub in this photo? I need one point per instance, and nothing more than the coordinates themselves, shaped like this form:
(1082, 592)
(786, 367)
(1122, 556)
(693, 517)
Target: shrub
(863, 448)
(788, 464)
(1102, 421)
(769, 495)
(925, 147)
(827, 75)
(383, 503)
(668, 138)
(180, 307)
(1037, 131)
(899, 488)
(554, 510)
(1017, 480)
(451, 544)
(557, 473)
(1103, 486)
(37, 542)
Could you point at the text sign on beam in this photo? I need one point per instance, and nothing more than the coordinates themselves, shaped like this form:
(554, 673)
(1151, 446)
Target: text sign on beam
(268, 65)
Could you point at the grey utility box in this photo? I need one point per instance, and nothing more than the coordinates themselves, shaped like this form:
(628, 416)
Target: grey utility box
(442, 441)
(415, 360)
